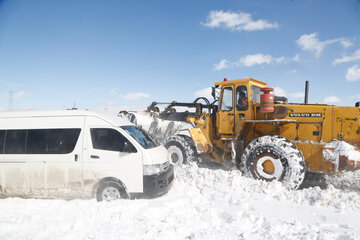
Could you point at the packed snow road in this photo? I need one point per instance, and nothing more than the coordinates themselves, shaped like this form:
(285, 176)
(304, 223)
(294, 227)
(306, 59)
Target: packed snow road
(205, 203)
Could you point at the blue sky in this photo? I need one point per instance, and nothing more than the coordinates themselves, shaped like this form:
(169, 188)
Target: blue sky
(116, 54)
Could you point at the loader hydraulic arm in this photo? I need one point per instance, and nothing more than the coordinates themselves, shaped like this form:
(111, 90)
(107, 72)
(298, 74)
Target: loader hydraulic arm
(170, 108)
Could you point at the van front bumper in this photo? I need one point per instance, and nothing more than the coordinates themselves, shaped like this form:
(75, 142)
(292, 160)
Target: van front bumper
(157, 184)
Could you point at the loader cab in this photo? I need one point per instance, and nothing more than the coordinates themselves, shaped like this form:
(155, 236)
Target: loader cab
(236, 104)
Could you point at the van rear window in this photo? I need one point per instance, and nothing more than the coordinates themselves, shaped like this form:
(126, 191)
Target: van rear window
(38, 141)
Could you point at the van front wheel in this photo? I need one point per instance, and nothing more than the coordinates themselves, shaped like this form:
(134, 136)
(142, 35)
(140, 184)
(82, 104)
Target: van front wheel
(110, 191)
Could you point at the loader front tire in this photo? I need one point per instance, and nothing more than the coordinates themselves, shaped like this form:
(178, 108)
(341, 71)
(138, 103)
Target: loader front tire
(181, 149)
(274, 158)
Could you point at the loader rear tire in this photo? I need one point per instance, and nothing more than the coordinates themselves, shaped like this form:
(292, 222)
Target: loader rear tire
(274, 158)
(181, 149)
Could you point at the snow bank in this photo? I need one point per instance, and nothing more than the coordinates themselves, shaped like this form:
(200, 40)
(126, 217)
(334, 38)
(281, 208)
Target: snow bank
(334, 149)
(206, 202)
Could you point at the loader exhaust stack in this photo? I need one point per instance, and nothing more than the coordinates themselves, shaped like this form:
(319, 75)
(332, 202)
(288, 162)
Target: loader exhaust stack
(306, 92)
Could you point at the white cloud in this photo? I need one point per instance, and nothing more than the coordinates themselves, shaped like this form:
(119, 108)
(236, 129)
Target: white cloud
(345, 43)
(240, 21)
(354, 57)
(297, 94)
(114, 91)
(249, 61)
(221, 65)
(310, 42)
(113, 108)
(278, 91)
(353, 73)
(18, 94)
(206, 92)
(355, 97)
(296, 58)
(97, 90)
(331, 99)
(10, 84)
(135, 96)
(258, 59)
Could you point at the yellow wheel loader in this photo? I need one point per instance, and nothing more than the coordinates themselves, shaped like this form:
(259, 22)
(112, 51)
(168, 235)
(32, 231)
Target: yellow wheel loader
(267, 137)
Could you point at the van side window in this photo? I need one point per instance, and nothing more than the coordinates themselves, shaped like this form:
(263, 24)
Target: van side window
(111, 140)
(36, 141)
(15, 141)
(2, 140)
(62, 141)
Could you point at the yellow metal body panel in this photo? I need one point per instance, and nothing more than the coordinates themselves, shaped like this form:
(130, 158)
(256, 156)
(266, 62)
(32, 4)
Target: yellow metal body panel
(238, 82)
(310, 127)
(201, 143)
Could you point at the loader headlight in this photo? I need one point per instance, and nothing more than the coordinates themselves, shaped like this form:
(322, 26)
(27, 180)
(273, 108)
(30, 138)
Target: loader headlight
(152, 169)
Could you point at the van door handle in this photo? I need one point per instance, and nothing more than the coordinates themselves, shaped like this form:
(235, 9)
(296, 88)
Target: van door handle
(76, 157)
(94, 156)
(230, 114)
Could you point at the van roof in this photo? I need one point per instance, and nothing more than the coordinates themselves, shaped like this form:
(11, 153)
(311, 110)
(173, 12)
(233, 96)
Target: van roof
(113, 119)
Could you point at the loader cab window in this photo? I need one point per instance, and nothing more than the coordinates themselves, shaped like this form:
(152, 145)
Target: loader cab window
(241, 98)
(227, 99)
(255, 97)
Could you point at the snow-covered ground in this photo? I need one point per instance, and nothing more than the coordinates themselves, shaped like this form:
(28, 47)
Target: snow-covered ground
(206, 202)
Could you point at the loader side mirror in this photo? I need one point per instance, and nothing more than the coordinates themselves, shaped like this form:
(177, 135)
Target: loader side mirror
(213, 92)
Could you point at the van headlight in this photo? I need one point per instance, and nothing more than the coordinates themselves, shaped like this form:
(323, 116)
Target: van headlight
(156, 168)
(152, 169)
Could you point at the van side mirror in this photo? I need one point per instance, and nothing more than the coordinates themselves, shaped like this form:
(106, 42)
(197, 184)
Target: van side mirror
(128, 148)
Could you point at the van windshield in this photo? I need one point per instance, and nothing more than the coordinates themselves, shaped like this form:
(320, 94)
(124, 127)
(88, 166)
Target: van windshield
(140, 136)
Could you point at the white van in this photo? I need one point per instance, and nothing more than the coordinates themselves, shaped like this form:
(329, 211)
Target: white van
(79, 154)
